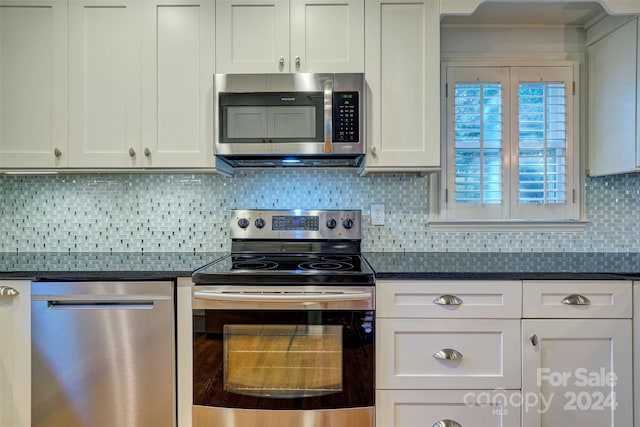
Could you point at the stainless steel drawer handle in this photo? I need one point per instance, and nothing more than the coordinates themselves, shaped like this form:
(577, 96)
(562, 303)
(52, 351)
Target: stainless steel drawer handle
(447, 300)
(576, 299)
(6, 291)
(447, 354)
(447, 423)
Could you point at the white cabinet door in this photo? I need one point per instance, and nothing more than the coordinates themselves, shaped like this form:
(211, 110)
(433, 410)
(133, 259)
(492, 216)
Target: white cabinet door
(252, 36)
(577, 373)
(177, 79)
(104, 76)
(15, 354)
(327, 36)
(636, 353)
(614, 111)
(33, 83)
(402, 69)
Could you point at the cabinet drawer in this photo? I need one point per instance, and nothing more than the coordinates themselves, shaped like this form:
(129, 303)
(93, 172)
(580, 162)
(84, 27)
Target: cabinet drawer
(424, 408)
(577, 299)
(473, 299)
(489, 353)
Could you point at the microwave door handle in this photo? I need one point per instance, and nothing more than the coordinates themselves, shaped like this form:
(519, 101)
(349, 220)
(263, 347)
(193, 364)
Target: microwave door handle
(328, 116)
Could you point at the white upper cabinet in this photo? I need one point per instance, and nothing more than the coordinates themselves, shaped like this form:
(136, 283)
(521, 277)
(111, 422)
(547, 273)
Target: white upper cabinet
(33, 83)
(613, 53)
(104, 76)
(140, 83)
(327, 36)
(402, 70)
(288, 36)
(177, 70)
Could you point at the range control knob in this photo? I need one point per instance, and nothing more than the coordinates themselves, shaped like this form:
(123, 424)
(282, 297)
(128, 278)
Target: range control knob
(347, 223)
(331, 223)
(243, 223)
(260, 222)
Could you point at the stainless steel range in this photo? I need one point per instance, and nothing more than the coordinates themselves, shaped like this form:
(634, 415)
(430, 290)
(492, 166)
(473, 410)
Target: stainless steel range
(284, 326)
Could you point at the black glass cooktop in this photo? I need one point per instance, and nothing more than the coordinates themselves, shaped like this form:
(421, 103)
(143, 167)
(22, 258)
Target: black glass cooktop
(279, 269)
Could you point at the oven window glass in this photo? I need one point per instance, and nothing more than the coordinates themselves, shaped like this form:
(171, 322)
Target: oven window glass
(283, 361)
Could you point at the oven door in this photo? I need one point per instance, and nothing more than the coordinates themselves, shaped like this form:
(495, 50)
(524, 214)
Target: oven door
(301, 353)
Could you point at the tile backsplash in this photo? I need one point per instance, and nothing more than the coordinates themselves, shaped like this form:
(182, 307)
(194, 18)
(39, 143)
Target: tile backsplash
(190, 213)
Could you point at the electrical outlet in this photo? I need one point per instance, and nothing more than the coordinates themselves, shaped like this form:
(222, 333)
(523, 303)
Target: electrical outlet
(377, 214)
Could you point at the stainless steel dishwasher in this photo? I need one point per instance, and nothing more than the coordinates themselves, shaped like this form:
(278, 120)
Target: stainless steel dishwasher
(103, 354)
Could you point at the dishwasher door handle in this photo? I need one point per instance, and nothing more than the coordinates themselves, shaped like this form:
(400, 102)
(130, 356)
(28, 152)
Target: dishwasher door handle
(99, 305)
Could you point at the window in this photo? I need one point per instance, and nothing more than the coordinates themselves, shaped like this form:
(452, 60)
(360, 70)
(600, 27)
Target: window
(511, 152)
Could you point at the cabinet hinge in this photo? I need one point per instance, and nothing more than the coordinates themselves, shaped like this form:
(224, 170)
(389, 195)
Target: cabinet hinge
(573, 87)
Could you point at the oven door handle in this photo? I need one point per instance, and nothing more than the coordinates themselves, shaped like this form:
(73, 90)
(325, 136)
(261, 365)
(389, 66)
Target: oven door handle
(283, 297)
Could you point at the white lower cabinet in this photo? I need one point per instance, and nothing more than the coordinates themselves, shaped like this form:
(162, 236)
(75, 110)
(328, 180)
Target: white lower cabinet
(426, 408)
(15, 353)
(636, 352)
(577, 354)
(449, 353)
(438, 367)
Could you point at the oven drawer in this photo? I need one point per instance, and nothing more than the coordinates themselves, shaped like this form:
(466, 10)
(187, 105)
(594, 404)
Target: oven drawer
(486, 408)
(577, 299)
(448, 353)
(449, 299)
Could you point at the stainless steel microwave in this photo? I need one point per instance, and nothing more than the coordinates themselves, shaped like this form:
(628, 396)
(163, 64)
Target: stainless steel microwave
(300, 119)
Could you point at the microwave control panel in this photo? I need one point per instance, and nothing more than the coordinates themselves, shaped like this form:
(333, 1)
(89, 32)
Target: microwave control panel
(346, 115)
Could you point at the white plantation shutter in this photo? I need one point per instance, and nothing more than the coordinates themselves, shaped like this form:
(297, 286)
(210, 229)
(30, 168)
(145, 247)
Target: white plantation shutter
(478, 115)
(510, 144)
(543, 179)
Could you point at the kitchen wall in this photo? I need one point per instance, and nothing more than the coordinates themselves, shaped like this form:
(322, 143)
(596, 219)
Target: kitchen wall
(187, 213)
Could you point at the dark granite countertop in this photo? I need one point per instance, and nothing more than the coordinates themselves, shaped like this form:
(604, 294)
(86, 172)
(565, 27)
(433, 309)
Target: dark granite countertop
(102, 266)
(388, 265)
(505, 265)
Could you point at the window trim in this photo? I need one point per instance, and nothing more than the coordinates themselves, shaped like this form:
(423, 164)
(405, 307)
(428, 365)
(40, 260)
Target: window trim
(577, 222)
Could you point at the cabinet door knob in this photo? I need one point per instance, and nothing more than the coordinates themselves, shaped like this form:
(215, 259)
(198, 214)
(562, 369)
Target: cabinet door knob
(373, 150)
(576, 299)
(447, 423)
(57, 152)
(533, 339)
(132, 152)
(8, 292)
(297, 61)
(147, 152)
(447, 300)
(447, 354)
(281, 61)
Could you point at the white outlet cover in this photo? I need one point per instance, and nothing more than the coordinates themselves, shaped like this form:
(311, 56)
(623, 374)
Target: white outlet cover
(377, 214)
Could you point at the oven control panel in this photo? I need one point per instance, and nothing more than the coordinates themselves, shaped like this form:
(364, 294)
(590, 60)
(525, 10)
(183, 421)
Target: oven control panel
(296, 224)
